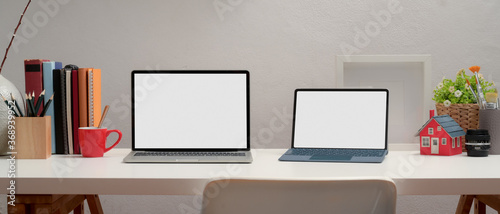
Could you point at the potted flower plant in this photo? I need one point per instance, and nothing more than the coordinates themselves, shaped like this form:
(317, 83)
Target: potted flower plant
(458, 98)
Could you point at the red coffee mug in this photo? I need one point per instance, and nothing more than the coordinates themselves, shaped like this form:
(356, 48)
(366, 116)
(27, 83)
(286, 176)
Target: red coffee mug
(93, 141)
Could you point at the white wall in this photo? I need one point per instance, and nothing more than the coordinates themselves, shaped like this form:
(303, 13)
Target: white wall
(284, 45)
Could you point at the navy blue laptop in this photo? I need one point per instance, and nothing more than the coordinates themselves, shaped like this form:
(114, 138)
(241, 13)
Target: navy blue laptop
(339, 125)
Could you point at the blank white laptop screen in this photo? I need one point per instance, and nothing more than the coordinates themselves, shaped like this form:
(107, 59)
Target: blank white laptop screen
(340, 119)
(190, 111)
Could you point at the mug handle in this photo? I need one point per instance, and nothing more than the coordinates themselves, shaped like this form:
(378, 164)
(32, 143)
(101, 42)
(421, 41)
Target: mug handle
(117, 141)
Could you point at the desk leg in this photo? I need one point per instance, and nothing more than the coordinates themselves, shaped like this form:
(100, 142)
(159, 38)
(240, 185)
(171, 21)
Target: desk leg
(54, 204)
(69, 202)
(94, 204)
(464, 204)
(18, 209)
(79, 209)
(40, 208)
(492, 201)
(479, 207)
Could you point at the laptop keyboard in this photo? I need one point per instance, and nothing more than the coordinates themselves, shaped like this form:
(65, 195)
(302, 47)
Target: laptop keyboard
(338, 152)
(189, 154)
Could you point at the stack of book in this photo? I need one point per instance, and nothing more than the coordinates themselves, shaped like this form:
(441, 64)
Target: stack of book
(76, 102)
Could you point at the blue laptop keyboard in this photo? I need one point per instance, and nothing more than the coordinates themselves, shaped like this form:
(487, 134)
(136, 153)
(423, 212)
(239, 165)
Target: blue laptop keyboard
(189, 154)
(338, 152)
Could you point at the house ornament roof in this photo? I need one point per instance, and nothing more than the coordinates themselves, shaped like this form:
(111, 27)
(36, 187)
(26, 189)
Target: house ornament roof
(449, 125)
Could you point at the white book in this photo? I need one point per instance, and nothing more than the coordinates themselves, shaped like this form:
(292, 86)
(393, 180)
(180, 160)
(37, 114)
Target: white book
(69, 109)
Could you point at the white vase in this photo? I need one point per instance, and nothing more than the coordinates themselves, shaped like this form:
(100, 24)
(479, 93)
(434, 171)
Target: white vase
(6, 88)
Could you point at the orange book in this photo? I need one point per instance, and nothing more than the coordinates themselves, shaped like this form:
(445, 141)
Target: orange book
(82, 97)
(94, 96)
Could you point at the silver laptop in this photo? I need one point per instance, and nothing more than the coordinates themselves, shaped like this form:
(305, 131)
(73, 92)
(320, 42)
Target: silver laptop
(339, 125)
(190, 116)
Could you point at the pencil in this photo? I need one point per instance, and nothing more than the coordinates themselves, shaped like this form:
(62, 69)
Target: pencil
(5, 100)
(30, 106)
(17, 106)
(39, 101)
(46, 107)
(28, 111)
(32, 99)
(8, 106)
(103, 115)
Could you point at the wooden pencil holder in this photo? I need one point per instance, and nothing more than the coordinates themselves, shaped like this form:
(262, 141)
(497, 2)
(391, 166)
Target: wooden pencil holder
(33, 137)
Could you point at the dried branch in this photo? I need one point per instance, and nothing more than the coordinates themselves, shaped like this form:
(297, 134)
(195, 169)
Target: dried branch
(14, 35)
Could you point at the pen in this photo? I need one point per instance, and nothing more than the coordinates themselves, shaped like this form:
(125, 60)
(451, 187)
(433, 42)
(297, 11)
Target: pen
(39, 101)
(17, 106)
(46, 107)
(8, 106)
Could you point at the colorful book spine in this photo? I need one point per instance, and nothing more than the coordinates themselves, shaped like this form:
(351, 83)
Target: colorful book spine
(94, 96)
(76, 119)
(60, 111)
(69, 121)
(33, 74)
(48, 84)
(82, 97)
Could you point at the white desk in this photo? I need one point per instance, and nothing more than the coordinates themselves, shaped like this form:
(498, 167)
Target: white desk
(413, 174)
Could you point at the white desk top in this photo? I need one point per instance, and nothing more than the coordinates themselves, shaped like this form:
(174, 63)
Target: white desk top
(413, 174)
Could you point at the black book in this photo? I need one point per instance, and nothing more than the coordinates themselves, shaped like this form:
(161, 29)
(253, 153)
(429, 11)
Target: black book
(60, 114)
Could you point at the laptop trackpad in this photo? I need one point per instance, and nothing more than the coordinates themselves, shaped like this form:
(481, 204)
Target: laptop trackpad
(330, 157)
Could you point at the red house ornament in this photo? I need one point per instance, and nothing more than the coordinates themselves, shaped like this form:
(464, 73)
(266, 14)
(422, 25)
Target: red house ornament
(440, 135)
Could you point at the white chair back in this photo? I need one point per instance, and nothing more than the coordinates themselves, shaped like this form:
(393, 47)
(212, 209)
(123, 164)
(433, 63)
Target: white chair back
(375, 196)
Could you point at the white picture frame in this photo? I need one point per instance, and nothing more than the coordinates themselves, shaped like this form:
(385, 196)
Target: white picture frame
(410, 78)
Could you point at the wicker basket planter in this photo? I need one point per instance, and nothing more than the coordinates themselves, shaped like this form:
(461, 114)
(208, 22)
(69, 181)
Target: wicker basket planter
(466, 115)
